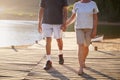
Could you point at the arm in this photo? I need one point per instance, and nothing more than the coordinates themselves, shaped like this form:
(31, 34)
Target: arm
(65, 14)
(64, 18)
(71, 19)
(95, 22)
(41, 12)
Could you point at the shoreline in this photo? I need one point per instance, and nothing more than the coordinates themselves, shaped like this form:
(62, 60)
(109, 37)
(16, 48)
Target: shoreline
(105, 45)
(35, 19)
(108, 44)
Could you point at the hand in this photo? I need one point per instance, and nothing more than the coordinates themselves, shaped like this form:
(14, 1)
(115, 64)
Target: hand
(63, 27)
(39, 28)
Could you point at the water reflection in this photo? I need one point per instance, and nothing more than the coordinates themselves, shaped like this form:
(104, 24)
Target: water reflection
(13, 32)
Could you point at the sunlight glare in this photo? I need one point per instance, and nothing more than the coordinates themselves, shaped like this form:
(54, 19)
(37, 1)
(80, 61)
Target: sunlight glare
(1, 9)
(4, 23)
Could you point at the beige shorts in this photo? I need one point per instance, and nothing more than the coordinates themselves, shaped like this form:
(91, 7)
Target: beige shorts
(48, 30)
(83, 36)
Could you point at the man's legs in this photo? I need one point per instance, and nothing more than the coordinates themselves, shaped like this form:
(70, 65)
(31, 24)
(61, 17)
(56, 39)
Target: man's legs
(47, 33)
(48, 47)
(48, 53)
(60, 46)
(58, 36)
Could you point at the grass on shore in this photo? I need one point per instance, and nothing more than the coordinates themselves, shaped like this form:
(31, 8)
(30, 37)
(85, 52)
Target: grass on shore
(109, 31)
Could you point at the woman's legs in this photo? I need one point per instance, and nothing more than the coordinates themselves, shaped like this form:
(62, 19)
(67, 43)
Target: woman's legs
(83, 40)
(80, 57)
(86, 50)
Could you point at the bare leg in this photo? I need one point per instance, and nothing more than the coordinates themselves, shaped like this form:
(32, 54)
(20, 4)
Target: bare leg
(60, 44)
(80, 57)
(86, 50)
(48, 64)
(48, 45)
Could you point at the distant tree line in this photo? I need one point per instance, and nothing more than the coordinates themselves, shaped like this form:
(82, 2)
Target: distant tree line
(109, 10)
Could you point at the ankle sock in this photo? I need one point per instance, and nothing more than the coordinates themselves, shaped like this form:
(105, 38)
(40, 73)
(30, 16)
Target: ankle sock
(48, 57)
(60, 52)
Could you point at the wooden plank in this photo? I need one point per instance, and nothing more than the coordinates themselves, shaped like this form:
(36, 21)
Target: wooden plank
(68, 71)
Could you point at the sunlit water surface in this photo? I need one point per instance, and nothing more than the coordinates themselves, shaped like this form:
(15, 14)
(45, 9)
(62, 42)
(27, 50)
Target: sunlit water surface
(16, 32)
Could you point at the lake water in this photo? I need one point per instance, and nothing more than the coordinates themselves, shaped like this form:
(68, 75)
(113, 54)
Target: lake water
(16, 32)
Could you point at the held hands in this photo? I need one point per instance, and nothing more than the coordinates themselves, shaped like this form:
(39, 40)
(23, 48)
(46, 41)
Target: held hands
(63, 27)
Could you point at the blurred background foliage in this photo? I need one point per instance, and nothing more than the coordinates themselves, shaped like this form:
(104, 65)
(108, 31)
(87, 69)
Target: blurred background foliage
(109, 10)
(109, 17)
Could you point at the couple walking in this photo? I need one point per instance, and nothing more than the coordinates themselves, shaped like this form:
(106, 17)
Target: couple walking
(53, 19)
